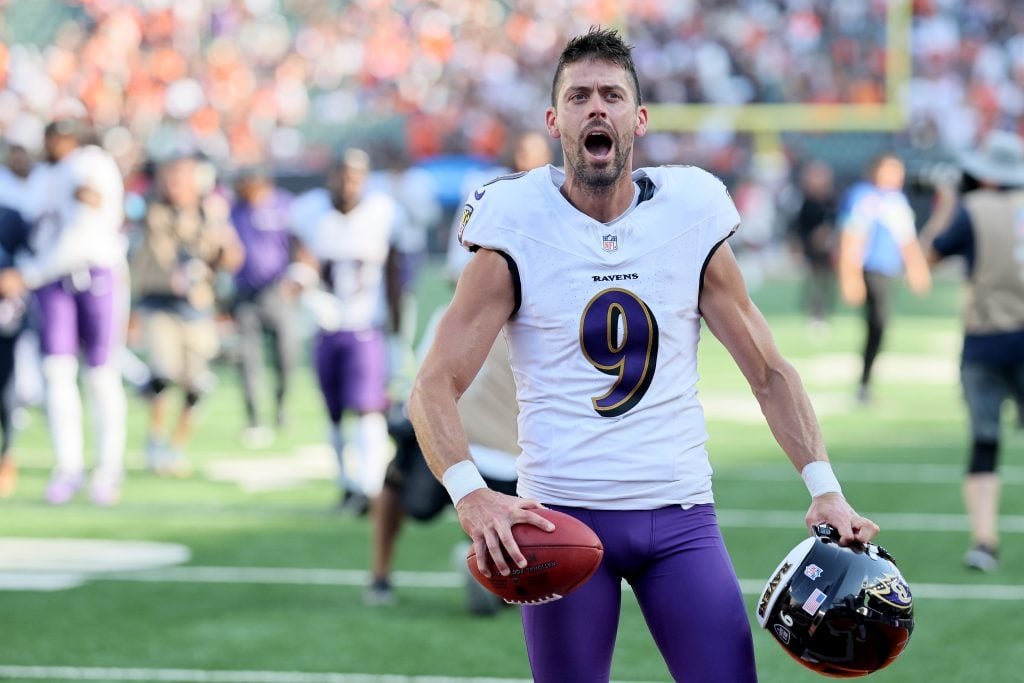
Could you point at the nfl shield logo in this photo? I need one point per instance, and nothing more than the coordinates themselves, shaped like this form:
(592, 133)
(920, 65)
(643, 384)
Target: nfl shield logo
(813, 572)
(610, 243)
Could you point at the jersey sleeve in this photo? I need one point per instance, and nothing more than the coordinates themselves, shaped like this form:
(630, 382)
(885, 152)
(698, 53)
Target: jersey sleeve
(858, 211)
(898, 217)
(476, 226)
(305, 212)
(713, 207)
(726, 219)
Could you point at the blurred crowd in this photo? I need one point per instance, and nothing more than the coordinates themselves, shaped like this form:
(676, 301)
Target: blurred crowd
(284, 81)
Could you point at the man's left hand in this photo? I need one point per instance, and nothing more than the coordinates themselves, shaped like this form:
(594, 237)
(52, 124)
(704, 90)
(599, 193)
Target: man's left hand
(833, 509)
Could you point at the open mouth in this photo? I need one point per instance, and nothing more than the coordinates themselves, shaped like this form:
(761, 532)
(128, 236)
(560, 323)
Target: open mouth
(598, 144)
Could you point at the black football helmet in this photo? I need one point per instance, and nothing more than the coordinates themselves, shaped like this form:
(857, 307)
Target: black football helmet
(840, 611)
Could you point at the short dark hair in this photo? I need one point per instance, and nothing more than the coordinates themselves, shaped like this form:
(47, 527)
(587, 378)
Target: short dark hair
(65, 127)
(597, 43)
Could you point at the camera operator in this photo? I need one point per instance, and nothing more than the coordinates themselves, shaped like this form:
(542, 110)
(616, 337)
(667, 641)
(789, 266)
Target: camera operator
(983, 221)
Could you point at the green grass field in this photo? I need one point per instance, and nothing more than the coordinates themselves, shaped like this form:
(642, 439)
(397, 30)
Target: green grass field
(272, 588)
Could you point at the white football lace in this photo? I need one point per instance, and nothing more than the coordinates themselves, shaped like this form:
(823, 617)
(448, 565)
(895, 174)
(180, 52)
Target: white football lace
(538, 601)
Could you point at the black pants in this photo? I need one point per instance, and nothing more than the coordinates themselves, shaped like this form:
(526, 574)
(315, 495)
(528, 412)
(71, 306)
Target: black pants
(6, 394)
(876, 315)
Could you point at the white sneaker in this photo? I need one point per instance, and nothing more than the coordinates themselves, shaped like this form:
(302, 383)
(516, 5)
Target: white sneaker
(258, 437)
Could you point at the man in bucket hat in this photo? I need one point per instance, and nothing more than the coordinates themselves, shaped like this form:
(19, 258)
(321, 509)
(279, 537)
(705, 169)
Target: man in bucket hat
(985, 225)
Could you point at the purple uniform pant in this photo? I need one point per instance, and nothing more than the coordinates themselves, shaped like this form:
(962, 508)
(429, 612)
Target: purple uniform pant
(679, 569)
(78, 316)
(352, 370)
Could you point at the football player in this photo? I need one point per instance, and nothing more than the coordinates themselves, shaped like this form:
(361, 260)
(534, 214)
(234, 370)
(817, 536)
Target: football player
(77, 271)
(348, 269)
(599, 276)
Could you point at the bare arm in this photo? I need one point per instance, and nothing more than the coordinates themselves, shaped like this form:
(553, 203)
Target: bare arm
(851, 270)
(738, 324)
(918, 275)
(943, 212)
(484, 300)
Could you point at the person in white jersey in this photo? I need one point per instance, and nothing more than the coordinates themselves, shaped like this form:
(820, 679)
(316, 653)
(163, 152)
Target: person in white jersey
(600, 277)
(75, 270)
(348, 267)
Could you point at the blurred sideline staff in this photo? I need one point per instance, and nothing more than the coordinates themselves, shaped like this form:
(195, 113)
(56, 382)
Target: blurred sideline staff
(814, 227)
(261, 306)
(984, 223)
(877, 244)
(185, 239)
(14, 232)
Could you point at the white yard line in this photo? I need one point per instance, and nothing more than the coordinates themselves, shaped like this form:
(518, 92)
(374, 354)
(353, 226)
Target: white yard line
(359, 578)
(869, 472)
(90, 673)
(888, 521)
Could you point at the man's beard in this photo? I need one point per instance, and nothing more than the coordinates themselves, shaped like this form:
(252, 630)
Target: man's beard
(595, 179)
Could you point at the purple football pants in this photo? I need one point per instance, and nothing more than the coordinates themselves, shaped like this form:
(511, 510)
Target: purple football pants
(351, 368)
(677, 564)
(71, 320)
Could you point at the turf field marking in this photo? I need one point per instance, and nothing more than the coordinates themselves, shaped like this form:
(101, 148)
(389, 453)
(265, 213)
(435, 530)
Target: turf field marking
(90, 673)
(889, 521)
(869, 472)
(408, 579)
(80, 673)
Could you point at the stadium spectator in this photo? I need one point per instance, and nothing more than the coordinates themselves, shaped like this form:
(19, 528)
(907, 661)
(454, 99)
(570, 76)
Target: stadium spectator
(273, 81)
(14, 235)
(877, 244)
(985, 226)
(186, 238)
(261, 306)
(75, 204)
(813, 228)
(566, 263)
(349, 271)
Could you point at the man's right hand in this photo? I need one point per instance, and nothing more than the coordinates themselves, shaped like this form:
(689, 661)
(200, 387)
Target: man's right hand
(488, 517)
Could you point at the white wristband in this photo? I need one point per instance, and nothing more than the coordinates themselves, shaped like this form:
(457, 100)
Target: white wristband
(462, 478)
(819, 478)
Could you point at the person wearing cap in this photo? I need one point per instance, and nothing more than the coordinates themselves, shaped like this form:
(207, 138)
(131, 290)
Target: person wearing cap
(74, 267)
(260, 308)
(348, 271)
(984, 223)
(877, 244)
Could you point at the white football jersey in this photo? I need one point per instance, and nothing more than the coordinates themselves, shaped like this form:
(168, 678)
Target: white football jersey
(68, 234)
(353, 251)
(603, 343)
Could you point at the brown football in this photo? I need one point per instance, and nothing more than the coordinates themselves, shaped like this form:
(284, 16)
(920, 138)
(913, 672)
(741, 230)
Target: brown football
(558, 562)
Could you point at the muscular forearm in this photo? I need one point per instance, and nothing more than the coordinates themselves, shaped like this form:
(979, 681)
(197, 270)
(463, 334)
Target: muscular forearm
(434, 416)
(790, 415)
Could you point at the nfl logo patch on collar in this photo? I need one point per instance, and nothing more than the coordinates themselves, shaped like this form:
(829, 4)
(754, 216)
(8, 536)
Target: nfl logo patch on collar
(610, 243)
